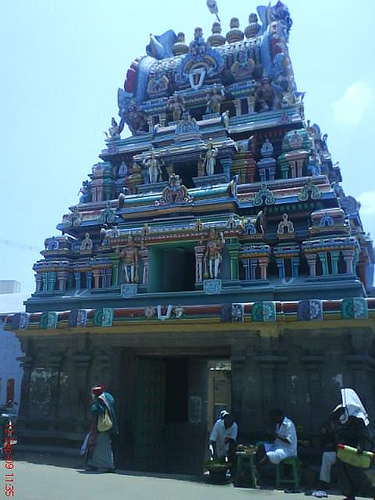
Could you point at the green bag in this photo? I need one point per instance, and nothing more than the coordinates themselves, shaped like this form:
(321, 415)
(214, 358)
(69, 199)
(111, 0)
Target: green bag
(350, 456)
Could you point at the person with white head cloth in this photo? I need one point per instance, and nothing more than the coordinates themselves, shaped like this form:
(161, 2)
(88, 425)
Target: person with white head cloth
(351, 421)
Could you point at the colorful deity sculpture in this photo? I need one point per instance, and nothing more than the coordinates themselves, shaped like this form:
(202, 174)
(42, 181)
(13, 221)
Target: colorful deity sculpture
(85, 190)
(265, 96)
(214, 99)
(213, 254)
(86, 243)
(153, 167)
(244, 66)
(129, 256)
(176, 106)
(210, 159)
(113, 131)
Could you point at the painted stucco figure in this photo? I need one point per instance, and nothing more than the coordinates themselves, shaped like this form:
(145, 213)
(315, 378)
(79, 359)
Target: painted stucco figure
(210, 159)
(213, 254)
(153, 168)
(214, 99)
(113, 131)
(129, 258)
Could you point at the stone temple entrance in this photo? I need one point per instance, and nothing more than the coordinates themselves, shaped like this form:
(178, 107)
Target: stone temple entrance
(177, 401)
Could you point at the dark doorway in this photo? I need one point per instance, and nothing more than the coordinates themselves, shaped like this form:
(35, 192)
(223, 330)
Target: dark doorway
(172, 268)
(187, 171)
(176, 393)
(173, 422)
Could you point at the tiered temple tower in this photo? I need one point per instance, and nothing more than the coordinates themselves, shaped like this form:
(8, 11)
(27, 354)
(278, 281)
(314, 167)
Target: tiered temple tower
(217, 230)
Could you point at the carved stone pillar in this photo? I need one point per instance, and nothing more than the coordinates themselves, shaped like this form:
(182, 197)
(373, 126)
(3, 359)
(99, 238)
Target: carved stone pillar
(311, 260)
(201, 171)
(237, 105)
(89, 280)
(108, 277)
(80, 395)
(150, 123)
(263, 264)
(335, 255)
(293, 169)
(103, 278)
(295, 265)
(162, 119)
(246, 265)
(96, 273)
(103, 368)
(362, 367)
(146, 265)
(361, 270)
(115, 269)
(238, 364)
(348, 257)
(232, 249)
(70, 283)
(38, 282)
(285, 167)
(251, 103)
(199, 252)
(27, 365)
(55, 362)
(324, 261)
(270, 365)
(52, 277)
(77, 276)
(170, 170)
(313, 365)
(300, 164)
(281, 268)
(226, 163)
(45, 281)
(62, 278)
(145, 177)
(250, 170)
(253, 268)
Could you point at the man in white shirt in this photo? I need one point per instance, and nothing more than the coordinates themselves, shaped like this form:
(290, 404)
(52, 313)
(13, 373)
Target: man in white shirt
(223, 438)
(285, 440)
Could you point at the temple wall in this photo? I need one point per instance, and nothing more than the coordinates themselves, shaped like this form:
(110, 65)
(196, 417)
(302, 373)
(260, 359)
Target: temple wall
(303, 378)
(10, 368)
(298, 367)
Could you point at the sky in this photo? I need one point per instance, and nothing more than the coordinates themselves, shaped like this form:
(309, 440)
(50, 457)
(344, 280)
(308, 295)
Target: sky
(62, 63)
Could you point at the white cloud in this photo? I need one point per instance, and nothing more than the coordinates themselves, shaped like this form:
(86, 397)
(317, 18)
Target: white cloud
(367, 200)
(355, 101)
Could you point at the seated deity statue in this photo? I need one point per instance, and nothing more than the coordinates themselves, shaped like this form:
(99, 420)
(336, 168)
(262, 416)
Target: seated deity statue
(85, 190)
(265, 96)
(113, 131)
(187, 125)
(86, 243)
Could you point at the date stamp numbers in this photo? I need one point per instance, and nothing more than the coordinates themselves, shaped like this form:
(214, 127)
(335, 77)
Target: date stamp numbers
(9, 488)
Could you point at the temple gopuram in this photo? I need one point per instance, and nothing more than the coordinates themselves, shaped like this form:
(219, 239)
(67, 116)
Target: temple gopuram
(213, 261)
